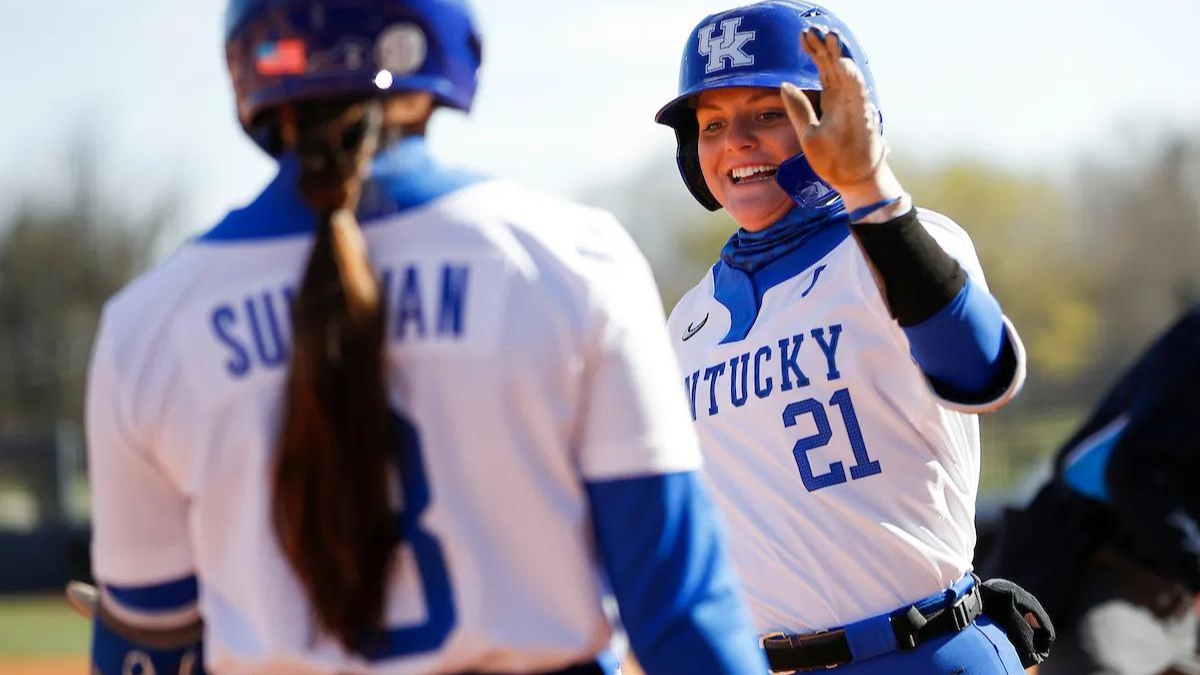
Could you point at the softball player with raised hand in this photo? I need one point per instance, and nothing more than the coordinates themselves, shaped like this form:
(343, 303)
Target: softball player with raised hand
(427, 444)
(834, 357)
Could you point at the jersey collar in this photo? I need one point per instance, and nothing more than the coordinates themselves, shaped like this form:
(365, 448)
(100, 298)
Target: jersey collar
(740, 281)
(403, 177)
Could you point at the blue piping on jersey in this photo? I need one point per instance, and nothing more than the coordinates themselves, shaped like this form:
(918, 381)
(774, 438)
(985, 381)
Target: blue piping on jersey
(661, 544)
(165, 597)
(404, 176)
(742, 293)
(1085, 467)
(961, 347)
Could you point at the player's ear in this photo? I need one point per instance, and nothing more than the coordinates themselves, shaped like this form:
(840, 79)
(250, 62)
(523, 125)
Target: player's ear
(408, 109)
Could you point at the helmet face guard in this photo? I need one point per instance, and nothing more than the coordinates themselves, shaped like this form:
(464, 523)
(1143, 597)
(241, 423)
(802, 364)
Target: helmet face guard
(282, 52)
(753, 46)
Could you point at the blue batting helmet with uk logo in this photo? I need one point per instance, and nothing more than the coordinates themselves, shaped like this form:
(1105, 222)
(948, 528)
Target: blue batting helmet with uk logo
(288, 51)
(753, 46)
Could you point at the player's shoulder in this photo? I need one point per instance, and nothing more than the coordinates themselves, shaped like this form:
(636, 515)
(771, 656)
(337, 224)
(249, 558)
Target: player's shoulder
(543, 215)
(158, 286)
(700, 295)
(954, 240)
(939, 224)
(548, 230)
(137, 336)
(144, 305)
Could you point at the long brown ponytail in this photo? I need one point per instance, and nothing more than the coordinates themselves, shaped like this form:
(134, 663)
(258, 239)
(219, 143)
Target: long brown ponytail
(335, 462)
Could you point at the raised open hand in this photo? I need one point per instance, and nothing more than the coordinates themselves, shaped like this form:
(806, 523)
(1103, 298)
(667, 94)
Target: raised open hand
(844, 147)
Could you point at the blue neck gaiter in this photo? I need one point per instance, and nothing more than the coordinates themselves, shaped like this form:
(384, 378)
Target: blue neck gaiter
(749, 252)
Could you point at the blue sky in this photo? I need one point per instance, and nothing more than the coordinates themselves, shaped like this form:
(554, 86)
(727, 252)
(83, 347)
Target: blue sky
(569, 87)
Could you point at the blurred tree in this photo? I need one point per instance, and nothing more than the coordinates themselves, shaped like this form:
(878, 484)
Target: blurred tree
(1025, 235)
(60, 259)
(1141, 222)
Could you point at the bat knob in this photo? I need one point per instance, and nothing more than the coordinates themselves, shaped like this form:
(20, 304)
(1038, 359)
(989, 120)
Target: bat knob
(83, 598)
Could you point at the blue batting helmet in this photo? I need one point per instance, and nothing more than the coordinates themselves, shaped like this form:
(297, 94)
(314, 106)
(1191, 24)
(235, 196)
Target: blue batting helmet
(753, 46)
(287, 51)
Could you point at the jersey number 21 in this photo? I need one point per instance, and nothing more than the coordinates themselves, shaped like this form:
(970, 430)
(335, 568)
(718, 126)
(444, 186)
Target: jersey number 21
(863, 464)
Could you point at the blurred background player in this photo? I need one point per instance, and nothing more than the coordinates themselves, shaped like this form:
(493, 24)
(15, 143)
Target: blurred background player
(418, 446)
(1112, 542)
(835, 356)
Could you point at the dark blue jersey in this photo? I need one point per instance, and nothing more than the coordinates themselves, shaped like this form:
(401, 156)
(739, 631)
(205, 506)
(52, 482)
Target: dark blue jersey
(1126, 479)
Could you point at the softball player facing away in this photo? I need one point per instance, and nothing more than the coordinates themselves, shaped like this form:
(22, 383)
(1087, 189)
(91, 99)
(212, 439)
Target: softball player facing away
(423, 445)
(834, 357)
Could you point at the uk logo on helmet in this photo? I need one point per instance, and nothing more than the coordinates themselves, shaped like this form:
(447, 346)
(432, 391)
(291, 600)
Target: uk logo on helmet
(727, 47)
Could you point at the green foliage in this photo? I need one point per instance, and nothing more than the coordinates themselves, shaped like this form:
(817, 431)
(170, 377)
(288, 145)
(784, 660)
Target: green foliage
(1142, 219)
(41, 626)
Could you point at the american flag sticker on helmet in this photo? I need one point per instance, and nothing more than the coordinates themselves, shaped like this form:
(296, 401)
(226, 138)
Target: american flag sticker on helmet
(282, 57)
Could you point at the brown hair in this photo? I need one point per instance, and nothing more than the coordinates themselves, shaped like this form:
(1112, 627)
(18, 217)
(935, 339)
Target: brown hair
(336, 451)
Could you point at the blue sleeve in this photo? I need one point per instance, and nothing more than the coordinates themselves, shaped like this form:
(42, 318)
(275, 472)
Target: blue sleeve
(170, 596)
(661, 544)
(962, 348)
(119, 650)
(173, 646)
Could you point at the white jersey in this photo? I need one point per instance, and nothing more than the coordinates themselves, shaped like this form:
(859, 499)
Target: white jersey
(849, 486)
(527, 349)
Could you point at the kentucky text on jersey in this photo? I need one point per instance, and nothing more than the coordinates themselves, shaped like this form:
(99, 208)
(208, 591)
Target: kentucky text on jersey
(787, 357)
(423, 303)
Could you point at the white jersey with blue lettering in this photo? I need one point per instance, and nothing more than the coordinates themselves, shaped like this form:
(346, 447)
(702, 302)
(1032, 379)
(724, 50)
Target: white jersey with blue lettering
(848, 484)
(527, 350)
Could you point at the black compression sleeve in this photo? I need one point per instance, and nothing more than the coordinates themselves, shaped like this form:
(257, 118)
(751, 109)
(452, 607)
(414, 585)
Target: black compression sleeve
(919, 277)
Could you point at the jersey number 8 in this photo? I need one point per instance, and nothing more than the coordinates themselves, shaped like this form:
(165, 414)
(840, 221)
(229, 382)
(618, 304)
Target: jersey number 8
(440, 615)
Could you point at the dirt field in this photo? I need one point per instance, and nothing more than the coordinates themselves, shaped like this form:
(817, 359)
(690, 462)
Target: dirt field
(63, 665)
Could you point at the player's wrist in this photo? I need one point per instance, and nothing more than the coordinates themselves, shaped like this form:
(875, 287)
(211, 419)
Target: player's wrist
(882, 190)
(883, 211)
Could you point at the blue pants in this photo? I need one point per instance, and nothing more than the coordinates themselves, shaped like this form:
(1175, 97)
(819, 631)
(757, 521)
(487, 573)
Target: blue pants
(979, 649)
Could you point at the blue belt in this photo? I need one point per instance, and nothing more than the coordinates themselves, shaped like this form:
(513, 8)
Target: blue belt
(902, 630)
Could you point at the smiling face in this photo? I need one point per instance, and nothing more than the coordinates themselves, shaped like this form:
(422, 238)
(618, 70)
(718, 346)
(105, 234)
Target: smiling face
(745, 135)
